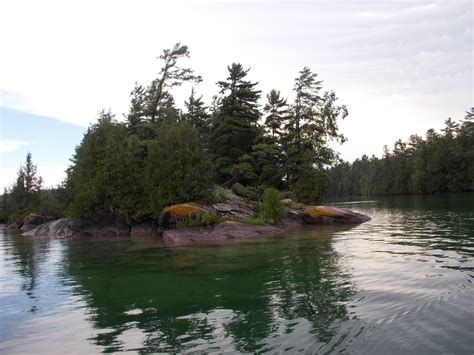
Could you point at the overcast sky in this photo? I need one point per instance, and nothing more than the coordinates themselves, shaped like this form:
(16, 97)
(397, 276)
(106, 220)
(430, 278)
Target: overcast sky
(401, 67)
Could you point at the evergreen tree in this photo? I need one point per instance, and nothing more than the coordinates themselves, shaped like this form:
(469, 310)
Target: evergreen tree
(105, 173)
(234, 127)
(25, 191)
(158, 96)
(441, 162)
(177, 169)
(137, 113)
(277, 111)
(197, 116)
(154, 103)
(6, 209)
(309, 128)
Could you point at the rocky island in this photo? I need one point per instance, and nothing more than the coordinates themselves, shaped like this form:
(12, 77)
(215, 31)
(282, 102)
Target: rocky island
(193, 223)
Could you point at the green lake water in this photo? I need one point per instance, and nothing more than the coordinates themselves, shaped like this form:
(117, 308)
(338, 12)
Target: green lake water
(401, 283)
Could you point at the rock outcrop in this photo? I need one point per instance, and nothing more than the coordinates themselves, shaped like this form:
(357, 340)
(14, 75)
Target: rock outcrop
(67, 227)
(331, 215)
(29, 222)
(224, 232)
(174, 214)
(144, 230)
(232, 208)
(57, 228)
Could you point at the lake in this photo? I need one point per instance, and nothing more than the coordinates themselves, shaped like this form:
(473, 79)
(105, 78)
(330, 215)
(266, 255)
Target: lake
(401, 283)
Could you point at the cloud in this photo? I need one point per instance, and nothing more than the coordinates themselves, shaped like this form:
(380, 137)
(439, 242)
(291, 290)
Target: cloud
(7, 177)
(52, 175)
(7, 146)
(68, 60)
(13, 100)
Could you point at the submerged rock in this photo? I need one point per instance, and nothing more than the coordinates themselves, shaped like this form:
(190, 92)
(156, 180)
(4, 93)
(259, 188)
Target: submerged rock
(331, 215)
(224, 232)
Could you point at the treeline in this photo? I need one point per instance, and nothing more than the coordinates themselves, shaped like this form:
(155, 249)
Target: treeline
(161, 155)
(441, 162)
(28, 195)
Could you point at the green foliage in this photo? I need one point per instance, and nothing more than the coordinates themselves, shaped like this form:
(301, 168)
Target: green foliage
(263, 166)
(256, 221)
(214, 195)
(155, 103)
(161, 155)
(311, 125)
(105, 174)
(234, 127)
(176, 169)
(311, 186)
(198, 117)
(248, 192)
(25, 195)
(270, 207)
(441, 162)
(277, 111)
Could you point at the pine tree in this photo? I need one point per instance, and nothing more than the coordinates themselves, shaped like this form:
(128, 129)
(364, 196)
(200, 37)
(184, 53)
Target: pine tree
(310, 127)
(197, 116)
(235, 127)
(277, 110)
(158, 96)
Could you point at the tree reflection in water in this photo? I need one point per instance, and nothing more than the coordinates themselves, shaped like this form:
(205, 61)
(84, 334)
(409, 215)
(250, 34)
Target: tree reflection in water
(27, 255)
(234, 297)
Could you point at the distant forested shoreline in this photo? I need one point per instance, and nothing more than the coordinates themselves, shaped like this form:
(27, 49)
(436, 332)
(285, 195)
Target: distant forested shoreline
(159, 155)
(438, 163)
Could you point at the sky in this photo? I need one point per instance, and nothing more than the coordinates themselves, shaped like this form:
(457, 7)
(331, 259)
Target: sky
(401, 67)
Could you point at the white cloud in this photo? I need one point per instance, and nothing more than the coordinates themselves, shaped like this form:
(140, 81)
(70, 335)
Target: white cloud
(7, 177)
(70, 59)
(52, 175)
(7, 146)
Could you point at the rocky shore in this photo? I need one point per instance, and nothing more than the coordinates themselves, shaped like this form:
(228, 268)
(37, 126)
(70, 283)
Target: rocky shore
(192, 224)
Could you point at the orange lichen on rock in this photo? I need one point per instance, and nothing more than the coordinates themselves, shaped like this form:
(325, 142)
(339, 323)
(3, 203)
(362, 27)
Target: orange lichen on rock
(183, 210)
(331, 215)
(322, 211)
(171, 215)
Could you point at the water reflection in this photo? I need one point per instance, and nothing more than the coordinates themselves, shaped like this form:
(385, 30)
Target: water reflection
(235, 296)
(25, 256)
(399, 283)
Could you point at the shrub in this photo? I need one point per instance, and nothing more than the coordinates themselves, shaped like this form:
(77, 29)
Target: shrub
(249, 192)
(205, 219)
(215, 195)
(270, 207)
